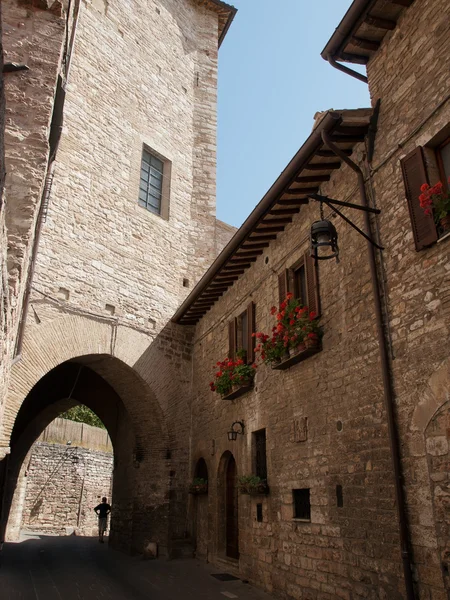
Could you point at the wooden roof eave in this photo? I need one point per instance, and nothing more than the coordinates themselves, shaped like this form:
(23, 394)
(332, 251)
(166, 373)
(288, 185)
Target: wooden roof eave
(312, 164)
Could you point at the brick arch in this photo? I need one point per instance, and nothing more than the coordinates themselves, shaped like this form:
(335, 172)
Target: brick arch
(142, 376)
(435, 394)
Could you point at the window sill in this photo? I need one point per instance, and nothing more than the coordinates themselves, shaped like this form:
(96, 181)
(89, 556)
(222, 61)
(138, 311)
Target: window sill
(296, 358)
(301, 520)
(238, 391)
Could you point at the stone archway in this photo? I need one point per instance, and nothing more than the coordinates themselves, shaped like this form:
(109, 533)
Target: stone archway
(200, 513)
(431, 421)
(148, 379)
(437, 441)
(228, 520)
(141, 471)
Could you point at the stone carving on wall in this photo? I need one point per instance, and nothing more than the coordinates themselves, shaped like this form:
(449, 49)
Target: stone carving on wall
(299, 430)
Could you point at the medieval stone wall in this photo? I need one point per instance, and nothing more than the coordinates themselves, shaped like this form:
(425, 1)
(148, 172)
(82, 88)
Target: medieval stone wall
(343, 551)
(410, 75)
(132, 86)
(63, 486)
(29, 105)
(335, 399)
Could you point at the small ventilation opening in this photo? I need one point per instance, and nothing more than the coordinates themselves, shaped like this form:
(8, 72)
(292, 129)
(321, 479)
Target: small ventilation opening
(259, 513)
(339, 496)
(302, 504)
(186, 283)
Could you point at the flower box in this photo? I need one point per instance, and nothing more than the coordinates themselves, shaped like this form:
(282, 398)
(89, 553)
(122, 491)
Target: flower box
(300, 355)
(261, 489)
(198, 489)
(238, 390)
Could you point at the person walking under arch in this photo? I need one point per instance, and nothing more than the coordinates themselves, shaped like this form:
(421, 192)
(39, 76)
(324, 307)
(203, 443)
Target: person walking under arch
(102, 510)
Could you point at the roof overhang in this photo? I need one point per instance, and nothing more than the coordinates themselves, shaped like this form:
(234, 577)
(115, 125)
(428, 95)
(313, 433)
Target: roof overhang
(311, 166)
(361, 32)
(226, 14)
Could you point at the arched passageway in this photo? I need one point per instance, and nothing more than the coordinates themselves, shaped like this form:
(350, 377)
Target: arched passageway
(136, 426)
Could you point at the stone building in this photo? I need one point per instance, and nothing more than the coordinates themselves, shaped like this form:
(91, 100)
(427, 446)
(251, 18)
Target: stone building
(334, 431)
(110, 219)
(353, 439)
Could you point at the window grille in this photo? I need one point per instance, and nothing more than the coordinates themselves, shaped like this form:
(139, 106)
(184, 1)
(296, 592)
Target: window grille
(302, 504)
(151, 183)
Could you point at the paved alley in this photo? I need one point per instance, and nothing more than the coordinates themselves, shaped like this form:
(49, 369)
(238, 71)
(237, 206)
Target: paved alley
(79, 568)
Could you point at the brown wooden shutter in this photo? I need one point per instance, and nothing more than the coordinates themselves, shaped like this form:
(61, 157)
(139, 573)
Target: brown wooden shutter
(232, 339)
(250, 331)
(285, 284)
(312, 284)
(414, 175)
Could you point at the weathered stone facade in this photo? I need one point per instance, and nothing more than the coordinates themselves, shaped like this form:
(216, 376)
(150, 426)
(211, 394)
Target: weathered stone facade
(350, 548)
(97, 330)
(108, 274)
(63, 486)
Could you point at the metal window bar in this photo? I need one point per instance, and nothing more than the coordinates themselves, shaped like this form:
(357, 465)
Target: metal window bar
(150, 188)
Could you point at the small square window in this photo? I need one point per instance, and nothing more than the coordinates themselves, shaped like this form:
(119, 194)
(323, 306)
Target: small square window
(302, 504)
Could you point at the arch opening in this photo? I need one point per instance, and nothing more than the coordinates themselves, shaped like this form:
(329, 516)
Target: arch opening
(228, 516)
(118, 396)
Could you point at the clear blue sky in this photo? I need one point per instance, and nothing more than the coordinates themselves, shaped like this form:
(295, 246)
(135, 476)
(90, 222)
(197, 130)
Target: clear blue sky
(272, 80)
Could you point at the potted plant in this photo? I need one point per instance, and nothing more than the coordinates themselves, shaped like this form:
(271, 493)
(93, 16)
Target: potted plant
(232, 376)
(297, 329)
(198, 486)
(435, 201)
(252, 485)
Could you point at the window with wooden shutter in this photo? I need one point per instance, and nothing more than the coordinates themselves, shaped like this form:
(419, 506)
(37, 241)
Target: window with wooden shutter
(251, 327)
(312, 284)
(414, 175)
(232, 339)
(301, 279)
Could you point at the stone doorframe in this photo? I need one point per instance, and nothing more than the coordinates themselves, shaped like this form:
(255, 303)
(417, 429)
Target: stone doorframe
(428, 423)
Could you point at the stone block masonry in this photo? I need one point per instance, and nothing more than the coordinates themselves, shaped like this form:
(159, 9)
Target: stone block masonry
(63, 485)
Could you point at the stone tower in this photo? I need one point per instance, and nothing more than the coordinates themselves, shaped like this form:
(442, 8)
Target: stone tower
(110, 154)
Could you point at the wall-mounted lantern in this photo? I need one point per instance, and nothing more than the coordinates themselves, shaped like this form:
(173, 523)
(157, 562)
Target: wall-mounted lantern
(236, 429)
(324, 240)
(324, 237)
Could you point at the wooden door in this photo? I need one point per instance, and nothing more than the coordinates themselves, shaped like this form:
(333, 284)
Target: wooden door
(231, 509)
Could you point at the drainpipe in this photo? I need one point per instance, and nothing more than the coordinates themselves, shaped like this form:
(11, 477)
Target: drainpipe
(54, 137)
(387, 382)
(346, 70)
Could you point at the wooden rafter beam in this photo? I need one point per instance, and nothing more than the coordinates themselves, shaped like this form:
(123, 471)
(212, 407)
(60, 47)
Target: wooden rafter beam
(284, 211)
(347, 139)
(285, 221)
(270, 229)
(329, 154)
(380, 23)
(305, 190)
(312, 178)
(260, 238)
(257, 245)
(323, 166)
(294, 201)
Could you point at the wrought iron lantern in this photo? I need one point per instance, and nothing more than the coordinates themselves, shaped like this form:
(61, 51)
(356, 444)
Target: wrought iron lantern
(233, 433)
(324, 240)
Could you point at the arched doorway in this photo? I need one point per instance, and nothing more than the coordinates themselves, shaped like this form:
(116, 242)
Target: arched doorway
(200, 512)
(228, 507)
(437, 443)
(136, 428)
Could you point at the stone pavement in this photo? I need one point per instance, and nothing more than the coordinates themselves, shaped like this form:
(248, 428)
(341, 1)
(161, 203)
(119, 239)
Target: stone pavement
(79, 568)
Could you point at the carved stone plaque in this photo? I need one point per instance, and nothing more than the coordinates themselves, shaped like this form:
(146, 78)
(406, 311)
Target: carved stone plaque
(299, 430)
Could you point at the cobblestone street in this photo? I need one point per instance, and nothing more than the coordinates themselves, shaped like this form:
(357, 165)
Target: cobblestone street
(76, 568)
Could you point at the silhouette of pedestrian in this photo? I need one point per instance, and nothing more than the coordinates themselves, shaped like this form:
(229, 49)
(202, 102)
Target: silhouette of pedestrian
(102, 510)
